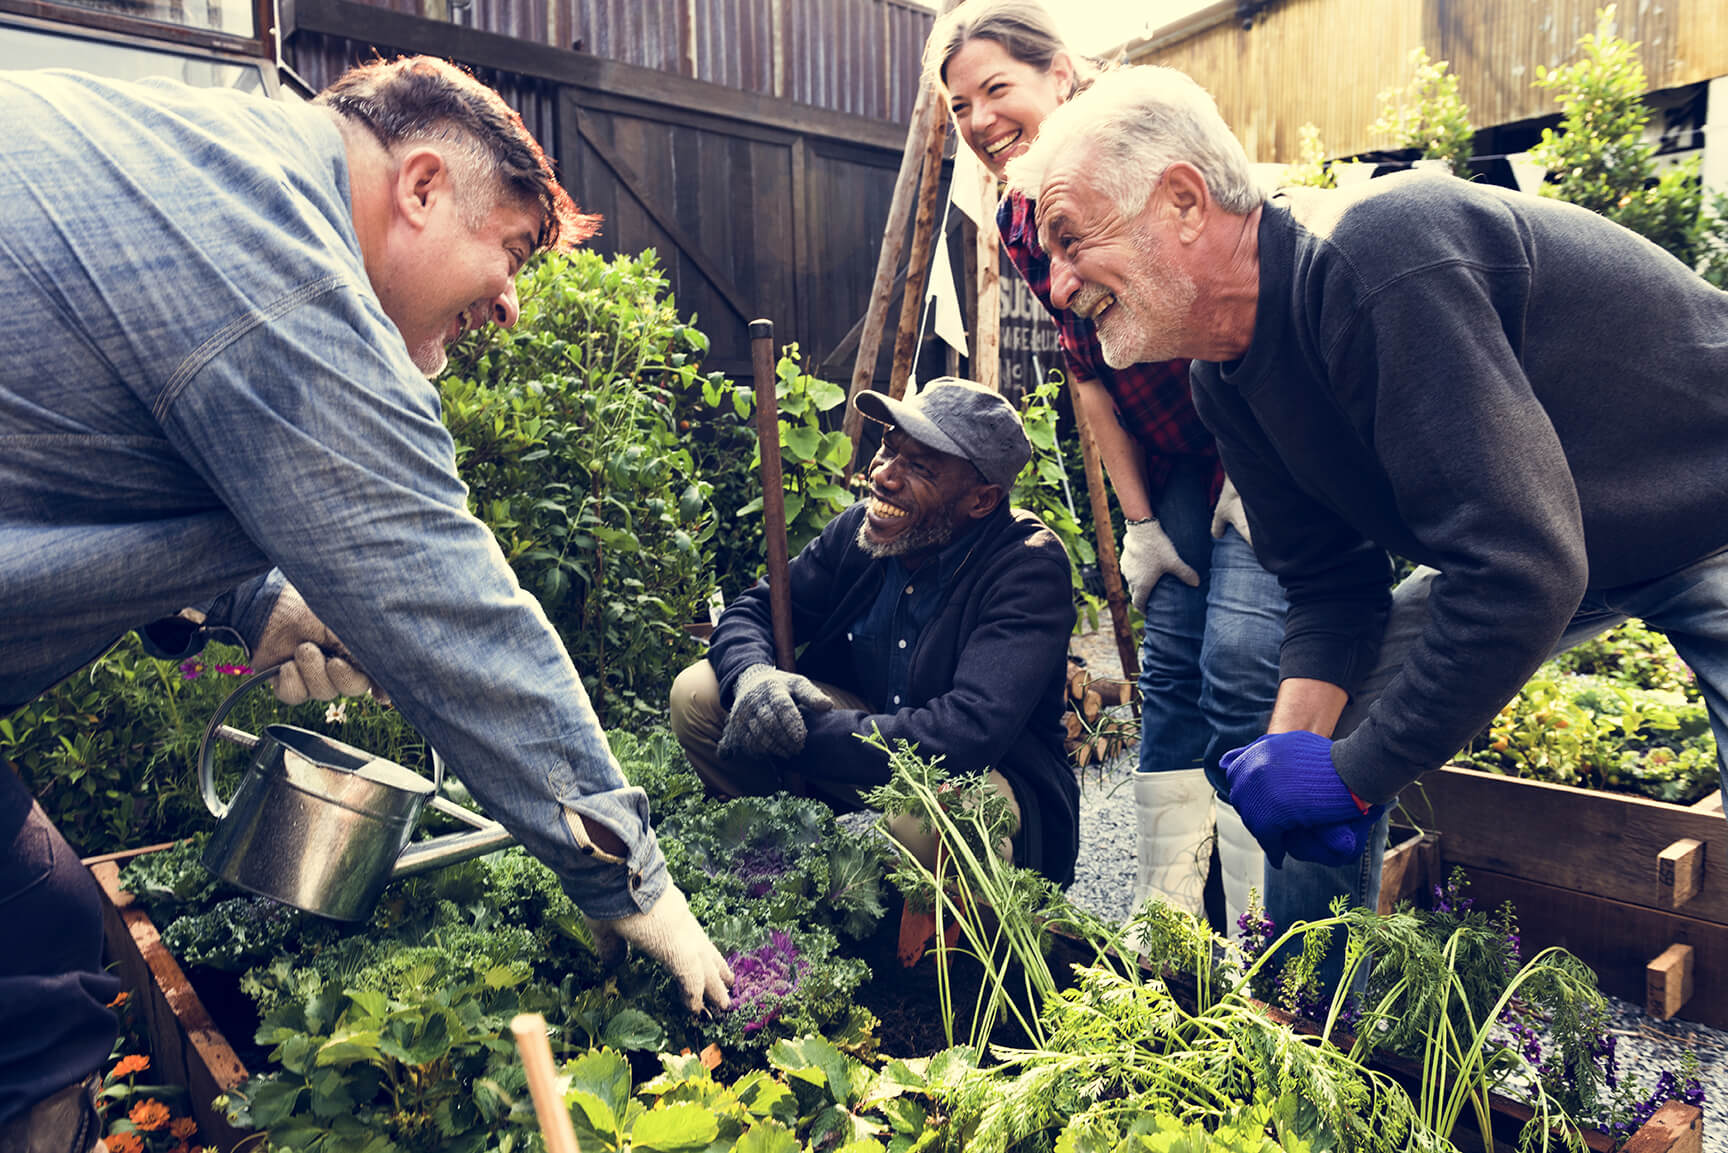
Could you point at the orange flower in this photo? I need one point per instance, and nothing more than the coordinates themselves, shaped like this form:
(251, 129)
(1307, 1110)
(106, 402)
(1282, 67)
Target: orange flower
(149, 1114)
(135, 1063)
(183, 1127)
(124, 1143)
(120, 999)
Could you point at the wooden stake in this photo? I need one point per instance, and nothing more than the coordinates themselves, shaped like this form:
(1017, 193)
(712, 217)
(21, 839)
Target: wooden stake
(987, 340)
(1106, 541)
(773, 493)
(530, 1032)
(918, 263)
(888, 260)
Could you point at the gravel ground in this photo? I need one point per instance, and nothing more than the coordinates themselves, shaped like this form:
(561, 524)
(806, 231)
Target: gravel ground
(1104, 882)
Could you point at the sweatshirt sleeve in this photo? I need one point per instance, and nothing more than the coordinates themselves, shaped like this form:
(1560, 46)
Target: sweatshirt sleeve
(1482, 484)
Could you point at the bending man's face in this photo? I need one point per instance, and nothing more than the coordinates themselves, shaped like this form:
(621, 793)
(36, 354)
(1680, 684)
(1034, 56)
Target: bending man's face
(1120, 273)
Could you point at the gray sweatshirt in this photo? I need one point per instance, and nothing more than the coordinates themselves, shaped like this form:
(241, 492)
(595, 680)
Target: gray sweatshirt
(1513, 390)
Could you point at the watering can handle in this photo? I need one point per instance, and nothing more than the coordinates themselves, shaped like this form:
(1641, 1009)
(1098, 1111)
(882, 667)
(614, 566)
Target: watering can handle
(216, 729)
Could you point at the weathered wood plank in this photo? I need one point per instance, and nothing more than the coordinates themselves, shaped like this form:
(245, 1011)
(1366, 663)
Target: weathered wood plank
(1410, 868)
(1614, 938)
(187, 1047)
(1604, 844)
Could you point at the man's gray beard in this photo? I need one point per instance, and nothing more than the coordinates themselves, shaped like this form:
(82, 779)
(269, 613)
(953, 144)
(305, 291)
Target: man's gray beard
(925, 536)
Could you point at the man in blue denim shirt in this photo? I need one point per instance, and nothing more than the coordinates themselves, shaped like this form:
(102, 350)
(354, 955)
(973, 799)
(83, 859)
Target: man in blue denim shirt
(221, 312)
(930, 612)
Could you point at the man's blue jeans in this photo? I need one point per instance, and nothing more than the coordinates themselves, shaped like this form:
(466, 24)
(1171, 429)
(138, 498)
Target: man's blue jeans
(1689, 606)
(1209, 655)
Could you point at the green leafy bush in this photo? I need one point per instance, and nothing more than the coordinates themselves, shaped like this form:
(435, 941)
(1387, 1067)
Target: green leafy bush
(1599, 158)
(1428, 114)
(1620, 712)
(567, 438)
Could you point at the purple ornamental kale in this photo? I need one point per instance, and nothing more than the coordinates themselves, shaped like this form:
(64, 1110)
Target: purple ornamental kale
(761, 867)
(764, 978)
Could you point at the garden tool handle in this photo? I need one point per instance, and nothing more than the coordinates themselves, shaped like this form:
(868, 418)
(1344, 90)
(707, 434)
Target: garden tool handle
(217, 730)
(555, 1125)
(773, 493)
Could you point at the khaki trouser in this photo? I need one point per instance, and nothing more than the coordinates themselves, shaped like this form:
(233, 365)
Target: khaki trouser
(698, 719)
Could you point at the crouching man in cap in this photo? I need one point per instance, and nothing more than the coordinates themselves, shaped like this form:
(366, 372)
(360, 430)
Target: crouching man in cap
(930, 611)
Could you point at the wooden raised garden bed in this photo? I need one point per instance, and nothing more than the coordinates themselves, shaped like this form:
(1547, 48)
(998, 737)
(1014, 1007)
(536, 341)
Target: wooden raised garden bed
(190, 1049)
(1636, 888)
(187, 1047)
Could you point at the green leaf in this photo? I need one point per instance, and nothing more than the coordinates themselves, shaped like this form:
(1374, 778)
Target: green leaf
(823, 394)
(802, 440)
(603, 1078)
(815, 1060)
(633, 1029)
(674, 1127)
(767, 1137)
(347, 1047)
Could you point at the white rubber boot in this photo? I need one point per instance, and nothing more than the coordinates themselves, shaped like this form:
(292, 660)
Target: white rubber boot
(1243, 862)
(1174, 813)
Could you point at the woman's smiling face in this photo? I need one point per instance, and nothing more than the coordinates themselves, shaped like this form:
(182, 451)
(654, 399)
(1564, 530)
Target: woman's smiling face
(998, 102)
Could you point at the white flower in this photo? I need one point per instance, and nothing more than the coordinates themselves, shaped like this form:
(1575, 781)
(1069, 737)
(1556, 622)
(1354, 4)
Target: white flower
(337, 713)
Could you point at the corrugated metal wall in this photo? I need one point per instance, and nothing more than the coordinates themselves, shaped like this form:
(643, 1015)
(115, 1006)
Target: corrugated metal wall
(1326, 61)
(320, 59)
(855, 56)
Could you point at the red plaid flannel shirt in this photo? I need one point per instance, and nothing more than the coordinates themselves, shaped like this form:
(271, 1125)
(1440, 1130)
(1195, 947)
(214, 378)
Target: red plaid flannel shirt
(1152, 400)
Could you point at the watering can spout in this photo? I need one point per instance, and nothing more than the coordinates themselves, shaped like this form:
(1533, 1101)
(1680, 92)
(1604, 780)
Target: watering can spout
(485, 836)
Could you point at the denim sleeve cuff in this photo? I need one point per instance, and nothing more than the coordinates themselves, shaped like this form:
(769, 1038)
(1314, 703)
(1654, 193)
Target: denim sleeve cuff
(247, 609)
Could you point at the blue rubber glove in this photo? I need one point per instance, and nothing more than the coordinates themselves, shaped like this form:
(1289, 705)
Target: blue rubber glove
(1332, 844)
(1291, 798)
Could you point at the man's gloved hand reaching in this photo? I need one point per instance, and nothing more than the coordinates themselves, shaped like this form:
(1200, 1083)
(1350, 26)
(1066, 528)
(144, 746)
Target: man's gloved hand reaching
(767, 718)
(1229, 513)
(315, 663)
(1147, 554)
(1291, 798)
(668, 932)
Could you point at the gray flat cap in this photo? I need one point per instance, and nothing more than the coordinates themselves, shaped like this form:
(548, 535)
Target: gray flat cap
(962, 419)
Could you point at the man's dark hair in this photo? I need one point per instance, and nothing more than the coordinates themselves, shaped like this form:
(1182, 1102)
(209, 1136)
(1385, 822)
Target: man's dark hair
(421, 97)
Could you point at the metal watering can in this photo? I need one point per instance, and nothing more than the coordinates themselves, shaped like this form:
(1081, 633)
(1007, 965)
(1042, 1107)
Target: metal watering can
(322, 825)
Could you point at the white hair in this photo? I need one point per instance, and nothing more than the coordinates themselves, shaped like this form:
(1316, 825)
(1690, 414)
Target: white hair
(1129, 126)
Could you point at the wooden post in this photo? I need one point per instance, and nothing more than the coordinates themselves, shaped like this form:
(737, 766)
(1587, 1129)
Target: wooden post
(888, 260)
(773, 493)
(1113, 592)
(918, 263)
(986, 341)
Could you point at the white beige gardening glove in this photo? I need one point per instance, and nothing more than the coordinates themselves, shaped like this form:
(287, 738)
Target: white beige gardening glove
(767, 717)
(1229, 513)
(1147, 554)
(315, 663)
(668, 932)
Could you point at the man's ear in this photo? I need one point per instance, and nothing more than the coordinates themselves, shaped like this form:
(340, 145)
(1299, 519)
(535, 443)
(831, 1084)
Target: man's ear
(1184, 199)
(984, 500)
(421, 180)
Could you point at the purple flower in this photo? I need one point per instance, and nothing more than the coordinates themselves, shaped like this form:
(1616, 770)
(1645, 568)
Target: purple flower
(191, 669)
(234, 670)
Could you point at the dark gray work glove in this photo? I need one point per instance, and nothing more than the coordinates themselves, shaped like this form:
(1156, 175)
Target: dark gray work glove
(767, 718)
